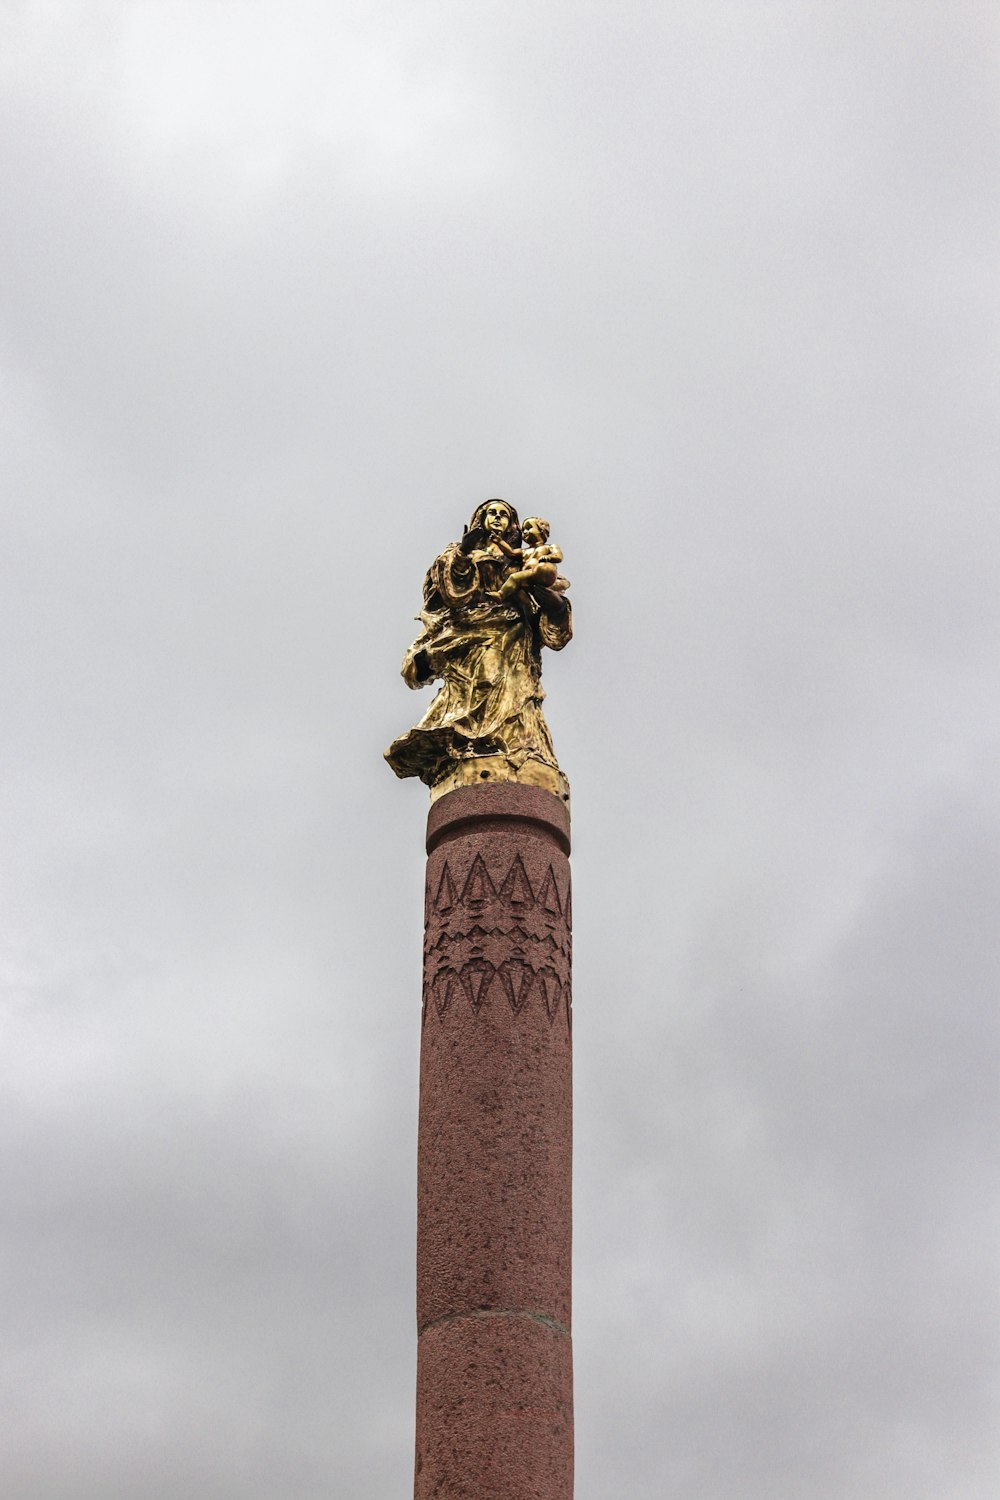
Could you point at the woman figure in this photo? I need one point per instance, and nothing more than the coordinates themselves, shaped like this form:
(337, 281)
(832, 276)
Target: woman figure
(487, 653)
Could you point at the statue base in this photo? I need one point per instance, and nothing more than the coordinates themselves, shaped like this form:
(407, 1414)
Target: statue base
(482, 770)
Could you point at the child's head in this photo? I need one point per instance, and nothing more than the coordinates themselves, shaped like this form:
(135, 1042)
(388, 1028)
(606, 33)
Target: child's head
(535, 531)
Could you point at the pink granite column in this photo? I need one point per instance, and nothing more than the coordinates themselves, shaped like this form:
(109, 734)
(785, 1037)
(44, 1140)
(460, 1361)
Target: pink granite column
(494, 1363)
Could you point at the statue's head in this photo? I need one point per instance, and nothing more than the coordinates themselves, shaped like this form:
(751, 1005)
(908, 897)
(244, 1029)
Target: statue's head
(535, 530)
(496, 518)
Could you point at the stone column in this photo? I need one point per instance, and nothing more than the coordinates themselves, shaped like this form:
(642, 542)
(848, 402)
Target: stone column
(494, 1363)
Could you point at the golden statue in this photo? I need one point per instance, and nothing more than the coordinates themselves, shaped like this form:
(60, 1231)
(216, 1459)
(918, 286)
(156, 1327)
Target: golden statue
(490, 605)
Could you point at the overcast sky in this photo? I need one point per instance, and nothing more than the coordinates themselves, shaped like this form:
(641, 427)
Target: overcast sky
(285, 291)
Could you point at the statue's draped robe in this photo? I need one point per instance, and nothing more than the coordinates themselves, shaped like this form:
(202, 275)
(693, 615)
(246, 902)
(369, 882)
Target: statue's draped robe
(488, 656)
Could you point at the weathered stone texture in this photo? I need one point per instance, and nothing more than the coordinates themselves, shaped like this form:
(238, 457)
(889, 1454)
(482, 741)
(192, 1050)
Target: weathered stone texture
(494, 1410)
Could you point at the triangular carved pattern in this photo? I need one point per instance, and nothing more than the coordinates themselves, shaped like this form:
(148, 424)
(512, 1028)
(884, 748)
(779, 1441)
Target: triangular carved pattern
(477, 977)
(478, 887)
(476, 981)
(548, 896)
(551, 988)
(518, 980)
(446, 895)
(514, 890)
(442, 988)
(487, 936)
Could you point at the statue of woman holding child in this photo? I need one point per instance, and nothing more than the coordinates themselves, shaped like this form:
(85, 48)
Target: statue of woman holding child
(491, 602)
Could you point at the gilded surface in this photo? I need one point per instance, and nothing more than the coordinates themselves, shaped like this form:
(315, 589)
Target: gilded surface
(491, 602)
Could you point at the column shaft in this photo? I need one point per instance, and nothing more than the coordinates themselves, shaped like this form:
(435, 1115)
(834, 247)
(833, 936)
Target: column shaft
(494, 1365)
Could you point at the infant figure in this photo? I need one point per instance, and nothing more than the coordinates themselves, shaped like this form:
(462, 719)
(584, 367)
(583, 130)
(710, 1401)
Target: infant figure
(539, 563)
